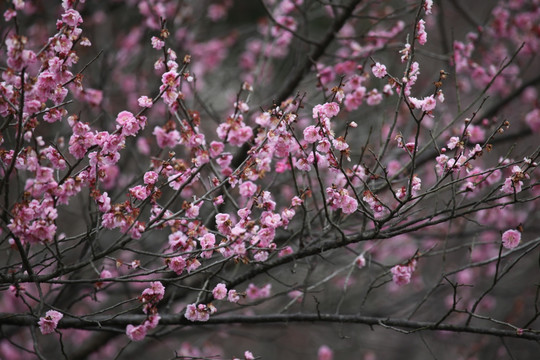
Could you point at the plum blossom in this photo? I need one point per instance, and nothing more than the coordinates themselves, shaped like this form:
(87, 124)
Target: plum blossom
(325, 353)
(429, 103)
(533, 120)
(166, 138)
(349, 204)
(154, 293)
(401, 274)
(453, 142)
(421, 34)
(199, 312)
(49, 322)
(177, 264)
(327, 110)
(311, 134)
(360, 261)
(379, 70)
(416, 185)
(150, 177)
(253, 292)
(428, 5)
(136, 333)
(340, 144)
(220, 291)
(145, 102)
(233, 296)
(104, 202)
(247, 189)
(405, 52)
(157, 43)
(72, 18)
(513, 182)
(511, 238)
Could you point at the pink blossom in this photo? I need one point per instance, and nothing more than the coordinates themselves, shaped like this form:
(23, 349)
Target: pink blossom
(157, 43)
(216, 148)
(311, 134)
(379, 70)
(510, 185)
(265, 236)
(233, 296)
(223, 222)
(105, 274)
(49, 322)
(218, 200)
(150, 177)
(72, 18)
(340, 144)
(192, 210)
(374, 98)
(199, 312)
(260, 256)
(216, 11)
(360, 261)
(136, 333)
(401, 274)
(166, 138)
(240, 135)
(453, 142)
(270, 219)
(247, 189)
(429, 103)
(145, 102)
(253, 292)
(476, 134)
(220, 291)
(139, 192)
(327, 110)
(93, 96)
(348, 204)
(323, 146)
(405, 52)
(416, 185)
(421, 34)
(533, 120)
(9, 14)
(330, 110)
(191, 312)
(325, 74)
(128, 123)
(179, 241)
(171, 79)
(192, 265)
(428, 5)
(104, 202)
(154, 293)
(511, 238)
(296, 201)
(325, 353)
(152, 321)
(207, 241)
(177, 264)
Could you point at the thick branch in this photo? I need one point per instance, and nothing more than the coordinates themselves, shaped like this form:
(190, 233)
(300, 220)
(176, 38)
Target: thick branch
(178, 319)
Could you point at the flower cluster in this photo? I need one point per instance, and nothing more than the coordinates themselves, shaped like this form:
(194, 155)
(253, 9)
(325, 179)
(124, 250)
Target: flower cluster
(401, 274)
(150, 297)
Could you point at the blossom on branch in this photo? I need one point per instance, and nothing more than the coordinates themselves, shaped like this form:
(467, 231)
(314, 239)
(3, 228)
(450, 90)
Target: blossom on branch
(49, 322)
